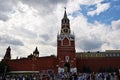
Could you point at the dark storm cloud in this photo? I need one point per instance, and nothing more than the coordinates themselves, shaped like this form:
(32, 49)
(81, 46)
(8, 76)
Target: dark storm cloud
(43, 2)
(6, 6)
(5, 39)
(88, 44)
(3, 17)
(44, 6)
(45, 37)
(24, 32)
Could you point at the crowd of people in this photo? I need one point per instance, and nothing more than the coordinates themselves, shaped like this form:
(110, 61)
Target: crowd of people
(29, 76)
(89, 76)
(65, 76)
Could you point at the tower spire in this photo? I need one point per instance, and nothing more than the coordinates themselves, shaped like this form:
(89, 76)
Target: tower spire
(65, 14)
(36, 52)
(65, 25)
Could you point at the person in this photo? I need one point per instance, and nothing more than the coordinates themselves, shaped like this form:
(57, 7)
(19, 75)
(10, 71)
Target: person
(80, 76)
(75, 76)
(116, 77)
(70, 76)
(92, 76)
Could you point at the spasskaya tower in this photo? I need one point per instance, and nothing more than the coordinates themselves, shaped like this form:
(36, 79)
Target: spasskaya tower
(66, 47)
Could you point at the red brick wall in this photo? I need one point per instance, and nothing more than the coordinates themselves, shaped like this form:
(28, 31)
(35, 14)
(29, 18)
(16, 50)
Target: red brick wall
(96, 63)
(37, 64)
(45, 63)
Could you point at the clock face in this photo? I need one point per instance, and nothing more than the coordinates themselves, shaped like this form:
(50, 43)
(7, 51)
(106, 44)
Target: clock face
(65, 30)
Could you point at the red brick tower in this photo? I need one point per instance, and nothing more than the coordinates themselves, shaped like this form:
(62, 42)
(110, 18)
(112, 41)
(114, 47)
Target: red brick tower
(66, 47)
(8, 54)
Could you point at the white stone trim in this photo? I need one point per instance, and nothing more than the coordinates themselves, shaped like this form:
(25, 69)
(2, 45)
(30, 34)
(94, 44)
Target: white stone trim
(73, 70)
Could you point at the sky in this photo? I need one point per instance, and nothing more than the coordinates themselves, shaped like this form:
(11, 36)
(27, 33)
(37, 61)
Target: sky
(25, 24)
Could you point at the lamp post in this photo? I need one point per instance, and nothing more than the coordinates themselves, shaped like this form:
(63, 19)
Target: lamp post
(4, 72)
(119, 70)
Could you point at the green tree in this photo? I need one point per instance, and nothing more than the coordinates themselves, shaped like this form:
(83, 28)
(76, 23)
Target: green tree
(102, 69)
(3, 68)
(109, 69)
(86, 69)
(115, 69)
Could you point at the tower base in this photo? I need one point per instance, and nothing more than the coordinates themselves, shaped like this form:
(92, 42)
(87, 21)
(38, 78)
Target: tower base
(72, 70)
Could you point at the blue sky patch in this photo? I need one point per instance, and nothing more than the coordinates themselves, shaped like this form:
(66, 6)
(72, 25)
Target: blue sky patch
(106, 17)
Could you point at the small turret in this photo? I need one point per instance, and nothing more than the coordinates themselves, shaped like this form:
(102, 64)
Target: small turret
(36, 52)
(8, 54)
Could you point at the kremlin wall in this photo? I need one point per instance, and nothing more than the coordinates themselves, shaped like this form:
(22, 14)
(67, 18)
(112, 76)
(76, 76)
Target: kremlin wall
(67, 59)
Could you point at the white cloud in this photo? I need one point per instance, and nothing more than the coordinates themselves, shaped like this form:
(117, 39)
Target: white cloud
(89, 2)
(37, 25)
(116, 25)
(26, 24)
(89, 36)
(101, 7)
